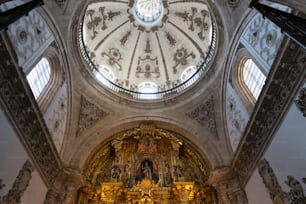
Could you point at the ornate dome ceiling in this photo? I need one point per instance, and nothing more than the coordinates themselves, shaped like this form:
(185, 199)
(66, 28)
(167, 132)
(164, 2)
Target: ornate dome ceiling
(147, 48)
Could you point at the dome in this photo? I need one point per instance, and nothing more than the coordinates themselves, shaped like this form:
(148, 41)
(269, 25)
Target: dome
(167, 44)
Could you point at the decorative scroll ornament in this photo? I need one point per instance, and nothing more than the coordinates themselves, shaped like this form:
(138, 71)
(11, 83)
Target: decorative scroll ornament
(114, 57)
(301, 101)
(296, 193)
(205, 115)
(89, 115)
(147, 65)
(160, 67)
(180, 57)
(20, 185)
(233, 3)
(61, 3)
(125, 38)
(99, 19)
(29, 35)
(198, 20)
(1, 186)
(236, 118)
(271, 183)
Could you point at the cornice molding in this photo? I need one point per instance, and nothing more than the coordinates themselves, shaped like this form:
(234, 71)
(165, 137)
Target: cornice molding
(284, 80)
(19, 104)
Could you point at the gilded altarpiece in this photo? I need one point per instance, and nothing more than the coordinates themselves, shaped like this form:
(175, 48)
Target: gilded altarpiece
(146, 165)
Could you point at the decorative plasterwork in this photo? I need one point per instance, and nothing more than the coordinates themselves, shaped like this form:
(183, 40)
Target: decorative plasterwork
(89, 115)
(262, 38)
(60, 3)
(284, 80)
(230, 191)
(23, 111)
(2, 185)
(56, 118)
(301, 101)
(204, 114)
(237, 117)
(127, 154)
(53, 197)
(296, 193)
(269, 179)
(30, 36)
(20, 185)
(232, 3)
(180, 39)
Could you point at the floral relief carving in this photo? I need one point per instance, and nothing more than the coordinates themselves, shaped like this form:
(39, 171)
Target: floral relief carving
(180, 57)
(60, 3)
(2, 185)
(205, 115)
(300, 102)
(28, 35)
(89, 115)
(97, 19)
(233, 3)
(158, 68)
(237, 119)
(197, 20)
(271, 183)
(296, 193)
(170, 39)
(20, 185)
(125, 38)
(56, 120)
(263, 39)
(114, 57)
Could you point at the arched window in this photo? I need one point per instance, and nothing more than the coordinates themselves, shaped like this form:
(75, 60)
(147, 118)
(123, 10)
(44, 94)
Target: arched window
(39, 77)
(247, 78)
(45, 77)
(253, 77)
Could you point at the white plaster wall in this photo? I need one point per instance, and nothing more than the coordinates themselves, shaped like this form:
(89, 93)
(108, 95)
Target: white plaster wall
(36, 191)
(56, 116)
(287, 152)
(256, 190)
(237, 116)
(12, 154)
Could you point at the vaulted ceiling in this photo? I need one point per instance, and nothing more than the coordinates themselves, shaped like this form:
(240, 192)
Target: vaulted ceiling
(109, 34)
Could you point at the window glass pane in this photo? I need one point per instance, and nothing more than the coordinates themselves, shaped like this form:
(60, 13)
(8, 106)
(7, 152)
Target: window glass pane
(39, 77)
(253, 77)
